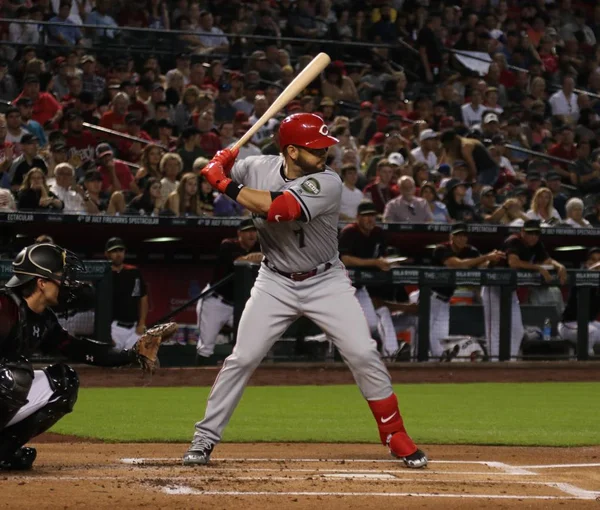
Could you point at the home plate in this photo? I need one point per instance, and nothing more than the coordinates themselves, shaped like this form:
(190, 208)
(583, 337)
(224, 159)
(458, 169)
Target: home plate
(369, 476)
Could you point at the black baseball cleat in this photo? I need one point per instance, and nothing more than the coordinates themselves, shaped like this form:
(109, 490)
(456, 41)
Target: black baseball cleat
(415, 460)
(21, 460)
(199, 453)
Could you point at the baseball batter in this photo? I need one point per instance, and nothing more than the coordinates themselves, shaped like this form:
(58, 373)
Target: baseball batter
(524, 251)
(456, 254)
(296, 202)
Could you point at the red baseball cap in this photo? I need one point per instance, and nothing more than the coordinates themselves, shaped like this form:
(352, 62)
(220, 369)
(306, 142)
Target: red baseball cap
(377, 139)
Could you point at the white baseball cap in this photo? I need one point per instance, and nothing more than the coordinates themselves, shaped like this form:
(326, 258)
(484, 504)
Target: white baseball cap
(427, 134)
(395, 158)
(490, 117)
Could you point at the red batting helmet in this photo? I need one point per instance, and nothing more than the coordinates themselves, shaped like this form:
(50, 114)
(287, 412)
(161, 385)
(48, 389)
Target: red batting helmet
(305, 130)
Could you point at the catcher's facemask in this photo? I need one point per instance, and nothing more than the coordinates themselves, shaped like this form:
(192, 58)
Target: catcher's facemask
(68, 282)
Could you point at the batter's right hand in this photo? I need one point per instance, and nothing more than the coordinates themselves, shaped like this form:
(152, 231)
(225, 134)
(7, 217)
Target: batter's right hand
(227, 158)
(214, 174)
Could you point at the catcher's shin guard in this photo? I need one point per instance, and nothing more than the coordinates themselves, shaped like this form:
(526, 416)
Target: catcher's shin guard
(65, 383)
(390, 424)
(15, 382)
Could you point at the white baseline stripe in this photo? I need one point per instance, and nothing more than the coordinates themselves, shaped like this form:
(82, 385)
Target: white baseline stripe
(507, 468)
(179, 490)
(574, 491)
(552, 466)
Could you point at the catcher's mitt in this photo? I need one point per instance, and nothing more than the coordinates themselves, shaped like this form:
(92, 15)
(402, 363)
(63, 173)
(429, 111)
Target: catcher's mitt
(148, 344)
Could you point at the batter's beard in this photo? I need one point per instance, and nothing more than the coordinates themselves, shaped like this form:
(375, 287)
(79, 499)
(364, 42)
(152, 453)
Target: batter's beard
(308, 168)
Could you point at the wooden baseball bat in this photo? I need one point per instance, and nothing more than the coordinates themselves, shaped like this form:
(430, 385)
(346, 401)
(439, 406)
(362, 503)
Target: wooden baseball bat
(300, 82)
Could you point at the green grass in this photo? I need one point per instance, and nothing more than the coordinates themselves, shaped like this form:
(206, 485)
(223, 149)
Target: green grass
(552, 414)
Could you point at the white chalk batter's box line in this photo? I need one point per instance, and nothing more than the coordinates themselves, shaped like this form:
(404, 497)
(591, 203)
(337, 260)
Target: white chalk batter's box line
(504, 469)
(177, 489)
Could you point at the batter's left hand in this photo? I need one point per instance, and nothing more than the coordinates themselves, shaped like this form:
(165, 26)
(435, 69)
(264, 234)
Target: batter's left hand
(227, 158)
(216, 176)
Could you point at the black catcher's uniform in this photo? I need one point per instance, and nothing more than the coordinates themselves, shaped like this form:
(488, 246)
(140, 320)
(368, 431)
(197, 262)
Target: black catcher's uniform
(22, 332)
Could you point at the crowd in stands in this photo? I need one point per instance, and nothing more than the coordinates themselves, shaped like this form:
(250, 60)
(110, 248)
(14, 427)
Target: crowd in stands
(509, 135)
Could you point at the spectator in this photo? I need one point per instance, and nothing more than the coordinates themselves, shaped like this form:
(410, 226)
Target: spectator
(186, 107)
(185, 200)
(216, 42)
(8, 85)
(585, 174)
(98, 202)
(472, 112)
(91, 81)
(46, 110)
(560, 199)
(439, 211)
(431, 47)
(224, 206)
(24, 163)
(101, 18)
(426, 152)
(351, 195)
(63, 189)
(25, 106)
(14, 126)
(209, 140)
(80, 142)
(542, 208)
(149, 202)
(149, 164)
(575, 217)
(594, 216)
(131, 150)
(64, 34)
(382, 190)
(171, 167)
(23, 33)
(190, 148)
(458, 209)
(115, 174)
(301, 21)
(114, 118)
(364, 126)
(564, 148)
(337, 86)
(7, 201)
(407, 208)
(564, 103)
(246, 104)
(34, 194)
(482, 167)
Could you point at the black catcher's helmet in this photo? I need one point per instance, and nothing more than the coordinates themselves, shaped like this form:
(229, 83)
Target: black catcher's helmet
(48, 261)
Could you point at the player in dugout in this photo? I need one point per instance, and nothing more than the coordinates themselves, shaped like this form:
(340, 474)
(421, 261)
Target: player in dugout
(216, 310)
(362, 244)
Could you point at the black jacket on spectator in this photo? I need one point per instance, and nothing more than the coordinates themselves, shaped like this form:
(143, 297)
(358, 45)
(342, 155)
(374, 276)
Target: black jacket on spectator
(29, 200)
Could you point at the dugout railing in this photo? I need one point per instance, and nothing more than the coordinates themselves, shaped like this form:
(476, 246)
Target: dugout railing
(426, 278)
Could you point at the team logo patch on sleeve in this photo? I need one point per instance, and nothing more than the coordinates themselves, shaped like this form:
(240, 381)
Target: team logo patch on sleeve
(311, 186)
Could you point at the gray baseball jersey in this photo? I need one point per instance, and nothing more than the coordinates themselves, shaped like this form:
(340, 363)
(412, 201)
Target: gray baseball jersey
(295, 246)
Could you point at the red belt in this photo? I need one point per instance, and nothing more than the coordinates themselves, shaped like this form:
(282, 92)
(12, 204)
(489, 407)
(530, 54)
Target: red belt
(299, 277)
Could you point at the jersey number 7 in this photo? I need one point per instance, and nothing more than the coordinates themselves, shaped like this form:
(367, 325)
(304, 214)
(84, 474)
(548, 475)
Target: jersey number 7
(300, 234)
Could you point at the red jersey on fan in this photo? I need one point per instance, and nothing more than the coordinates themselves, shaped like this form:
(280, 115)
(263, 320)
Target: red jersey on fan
(82, 145)
(114, 121)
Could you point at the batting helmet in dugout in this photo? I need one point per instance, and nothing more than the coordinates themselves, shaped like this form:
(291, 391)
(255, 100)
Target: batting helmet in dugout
(305, 130)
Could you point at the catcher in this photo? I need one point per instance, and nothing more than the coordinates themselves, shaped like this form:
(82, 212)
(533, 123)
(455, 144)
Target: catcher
(31, 401)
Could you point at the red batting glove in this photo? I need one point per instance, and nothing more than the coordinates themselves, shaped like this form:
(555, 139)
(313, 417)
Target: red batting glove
(213, 172)
(227, 158)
